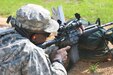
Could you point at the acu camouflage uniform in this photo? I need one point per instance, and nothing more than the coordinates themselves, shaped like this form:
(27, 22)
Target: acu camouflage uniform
(18, 56)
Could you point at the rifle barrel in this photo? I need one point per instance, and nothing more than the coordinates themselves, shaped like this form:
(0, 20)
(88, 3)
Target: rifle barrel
(107, 24)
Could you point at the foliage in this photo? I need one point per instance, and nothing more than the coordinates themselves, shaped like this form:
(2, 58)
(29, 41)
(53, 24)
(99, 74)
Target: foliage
(89, 9)
(93, 68)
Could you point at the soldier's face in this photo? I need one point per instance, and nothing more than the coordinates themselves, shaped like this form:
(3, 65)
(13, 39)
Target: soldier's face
(40, 37)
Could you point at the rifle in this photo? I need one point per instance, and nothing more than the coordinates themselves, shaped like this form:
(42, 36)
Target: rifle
(63, 32)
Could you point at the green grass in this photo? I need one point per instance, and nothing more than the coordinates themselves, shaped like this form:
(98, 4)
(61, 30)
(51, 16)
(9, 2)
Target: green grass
(93, 68)
(89, 9)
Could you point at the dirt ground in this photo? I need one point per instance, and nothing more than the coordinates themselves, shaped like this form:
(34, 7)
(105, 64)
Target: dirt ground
(81, 67)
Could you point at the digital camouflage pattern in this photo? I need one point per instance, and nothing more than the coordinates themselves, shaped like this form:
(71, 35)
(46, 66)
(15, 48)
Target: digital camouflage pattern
(35, 18)
(18, 56)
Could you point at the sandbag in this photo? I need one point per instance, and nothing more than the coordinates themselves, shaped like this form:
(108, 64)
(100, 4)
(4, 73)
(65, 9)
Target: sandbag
(93, 46)
(94, 41)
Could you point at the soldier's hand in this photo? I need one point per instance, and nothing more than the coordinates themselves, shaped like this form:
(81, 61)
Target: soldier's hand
(60, 54)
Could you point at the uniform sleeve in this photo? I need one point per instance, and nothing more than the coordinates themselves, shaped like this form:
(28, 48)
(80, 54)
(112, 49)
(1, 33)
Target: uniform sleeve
(18, 56)
(58, 69)
(37, 63)
(44, 66)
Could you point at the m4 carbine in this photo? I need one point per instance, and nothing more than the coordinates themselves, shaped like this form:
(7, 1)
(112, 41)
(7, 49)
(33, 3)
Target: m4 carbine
(63, 32)
(63, 35)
